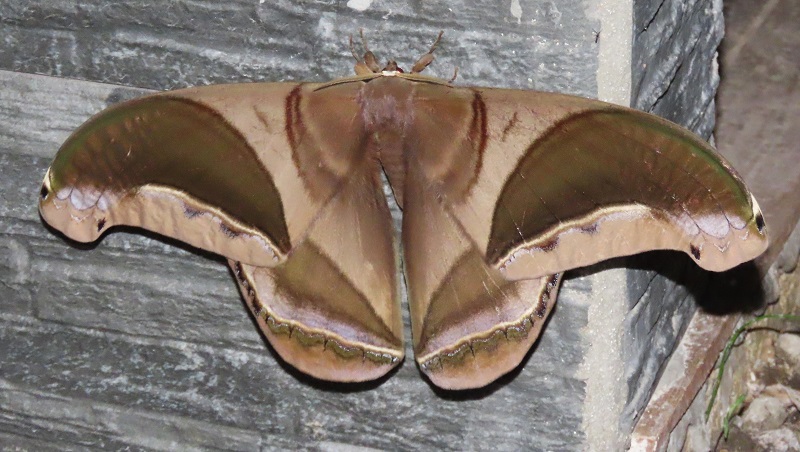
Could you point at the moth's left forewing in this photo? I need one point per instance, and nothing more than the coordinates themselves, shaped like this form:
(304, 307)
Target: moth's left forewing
(273, 177)
(175, 166)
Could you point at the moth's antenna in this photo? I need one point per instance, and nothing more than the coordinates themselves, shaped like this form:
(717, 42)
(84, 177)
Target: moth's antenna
(367, 65)
(427, 59)
(363, 39)
(436, 42)
(353, 50)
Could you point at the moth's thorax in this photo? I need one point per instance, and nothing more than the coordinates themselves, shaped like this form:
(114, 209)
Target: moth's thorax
(387, 113)
(387, 103)
(416, 122)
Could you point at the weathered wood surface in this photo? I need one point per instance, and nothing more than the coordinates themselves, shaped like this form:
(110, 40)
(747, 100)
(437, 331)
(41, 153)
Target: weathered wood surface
(141, 343)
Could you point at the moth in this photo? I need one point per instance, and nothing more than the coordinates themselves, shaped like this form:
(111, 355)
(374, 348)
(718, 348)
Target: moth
(501, 191)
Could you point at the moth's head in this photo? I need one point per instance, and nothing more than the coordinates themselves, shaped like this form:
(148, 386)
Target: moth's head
(368, 64)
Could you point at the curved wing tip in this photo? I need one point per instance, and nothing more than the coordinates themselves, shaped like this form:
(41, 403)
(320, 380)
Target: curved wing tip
(83, 223)
(758, 217)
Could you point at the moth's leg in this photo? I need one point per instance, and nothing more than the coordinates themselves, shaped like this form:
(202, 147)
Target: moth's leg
(455, 74)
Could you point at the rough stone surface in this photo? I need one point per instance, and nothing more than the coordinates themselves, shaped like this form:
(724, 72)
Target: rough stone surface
(771, 422)
(145, 343)
(787, 354)
(789, 349)
(165, 45)
(756, 112)
(682, 36)
(674, 75)
(762, 97)
(779, 440)
(788, 257)
(764, 413)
